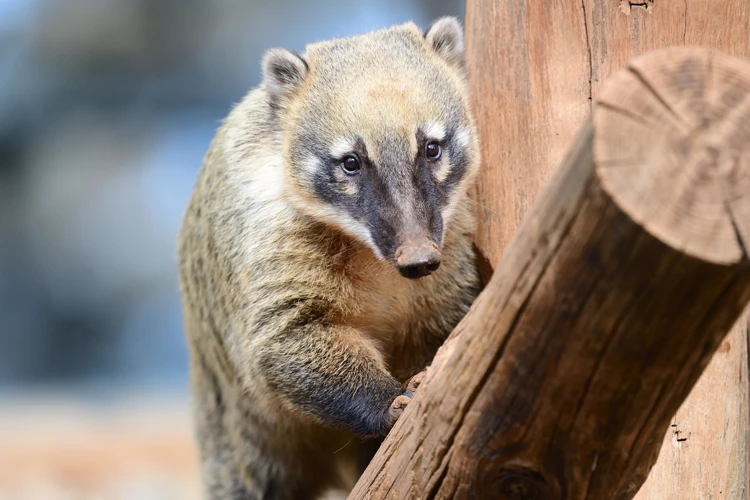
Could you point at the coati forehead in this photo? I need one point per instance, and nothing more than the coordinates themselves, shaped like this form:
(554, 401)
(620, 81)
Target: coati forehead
(382, 83)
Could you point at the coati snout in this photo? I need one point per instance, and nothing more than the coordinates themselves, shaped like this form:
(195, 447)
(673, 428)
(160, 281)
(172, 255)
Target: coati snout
(417, 257)
(391, 198)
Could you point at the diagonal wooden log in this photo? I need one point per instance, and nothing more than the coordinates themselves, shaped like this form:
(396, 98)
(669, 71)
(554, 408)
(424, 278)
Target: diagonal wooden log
(606, 307)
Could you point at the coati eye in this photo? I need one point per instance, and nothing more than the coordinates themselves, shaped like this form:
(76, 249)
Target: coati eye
(433, 150)
(350, 165)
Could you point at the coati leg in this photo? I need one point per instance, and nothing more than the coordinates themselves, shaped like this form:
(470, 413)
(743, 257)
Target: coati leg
(245, 455)
(369, 447)
(326, 375)
(221, 476)
(334, 374)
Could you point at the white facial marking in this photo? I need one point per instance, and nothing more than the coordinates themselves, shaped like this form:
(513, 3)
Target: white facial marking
(350, 188)
(435, 131)
(342, 146)
(442, 172)
(462, 138)
(346, 223)
(310, 165)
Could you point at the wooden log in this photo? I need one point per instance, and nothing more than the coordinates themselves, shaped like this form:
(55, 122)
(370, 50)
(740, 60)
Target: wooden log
(704, 455)
(534, 69)
(607, 306)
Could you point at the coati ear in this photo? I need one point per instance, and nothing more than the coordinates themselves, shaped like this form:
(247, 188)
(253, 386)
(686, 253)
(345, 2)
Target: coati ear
(283, 72)
(446, 37)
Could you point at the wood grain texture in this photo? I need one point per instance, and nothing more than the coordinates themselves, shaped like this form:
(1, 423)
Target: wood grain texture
(533, 71)
(529, 71)
(598, 321)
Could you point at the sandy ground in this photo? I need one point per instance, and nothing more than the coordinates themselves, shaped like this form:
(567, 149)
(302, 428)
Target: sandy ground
(54, 448)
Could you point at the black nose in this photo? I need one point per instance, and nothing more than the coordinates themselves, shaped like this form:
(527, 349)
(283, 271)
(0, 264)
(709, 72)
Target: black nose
(419, 269)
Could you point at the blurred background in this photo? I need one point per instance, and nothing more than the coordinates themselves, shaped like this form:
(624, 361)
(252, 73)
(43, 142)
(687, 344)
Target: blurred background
(106, 109)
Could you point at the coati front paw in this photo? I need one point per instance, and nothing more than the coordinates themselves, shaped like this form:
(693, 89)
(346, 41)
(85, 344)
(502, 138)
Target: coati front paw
(414, 382)
(399, 404)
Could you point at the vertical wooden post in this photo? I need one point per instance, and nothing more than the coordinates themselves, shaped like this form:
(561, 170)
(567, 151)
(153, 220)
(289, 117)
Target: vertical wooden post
(535, 67)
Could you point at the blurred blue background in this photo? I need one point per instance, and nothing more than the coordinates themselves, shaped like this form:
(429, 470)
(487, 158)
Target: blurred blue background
(106, 109)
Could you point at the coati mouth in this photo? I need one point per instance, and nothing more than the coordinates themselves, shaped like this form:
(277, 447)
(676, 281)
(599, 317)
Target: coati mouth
(417, 257)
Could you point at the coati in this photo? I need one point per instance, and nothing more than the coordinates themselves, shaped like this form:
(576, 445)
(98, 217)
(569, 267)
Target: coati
(325, 254)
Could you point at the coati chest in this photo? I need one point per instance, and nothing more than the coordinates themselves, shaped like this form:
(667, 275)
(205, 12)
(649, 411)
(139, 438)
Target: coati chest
(408, 320)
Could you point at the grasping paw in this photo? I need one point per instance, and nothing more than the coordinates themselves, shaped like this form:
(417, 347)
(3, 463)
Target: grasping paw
(414, 383)
(399, 404)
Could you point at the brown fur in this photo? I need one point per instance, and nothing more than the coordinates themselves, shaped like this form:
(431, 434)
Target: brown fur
(289, 309)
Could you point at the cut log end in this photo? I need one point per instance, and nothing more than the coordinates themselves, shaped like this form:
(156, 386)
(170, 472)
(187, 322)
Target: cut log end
(672, 148)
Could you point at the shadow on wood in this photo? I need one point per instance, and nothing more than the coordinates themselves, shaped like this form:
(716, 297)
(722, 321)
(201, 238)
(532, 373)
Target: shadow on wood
(606, 307)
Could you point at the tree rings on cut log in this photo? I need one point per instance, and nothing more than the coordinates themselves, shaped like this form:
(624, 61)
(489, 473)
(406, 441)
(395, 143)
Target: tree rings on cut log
(672, 149)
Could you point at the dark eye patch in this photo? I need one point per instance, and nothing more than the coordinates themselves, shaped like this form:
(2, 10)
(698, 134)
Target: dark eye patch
(459, 159)
(328, 179)
(352, 162)
(457, 156)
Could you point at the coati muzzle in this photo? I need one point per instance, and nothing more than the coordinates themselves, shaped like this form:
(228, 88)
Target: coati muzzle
(417, 256)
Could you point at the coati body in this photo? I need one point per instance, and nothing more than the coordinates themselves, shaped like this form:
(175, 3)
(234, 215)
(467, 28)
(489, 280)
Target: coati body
(325, 255)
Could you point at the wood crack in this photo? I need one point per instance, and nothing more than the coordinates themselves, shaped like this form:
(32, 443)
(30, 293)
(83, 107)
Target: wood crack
(588, 51)
(656, 94)
(625, 112)
(737, 232)
(684, 30)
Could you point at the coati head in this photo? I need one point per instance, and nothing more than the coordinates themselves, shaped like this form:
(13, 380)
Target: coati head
(378, 136)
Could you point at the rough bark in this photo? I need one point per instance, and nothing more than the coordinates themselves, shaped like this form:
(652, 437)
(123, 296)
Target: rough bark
(606, 307)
